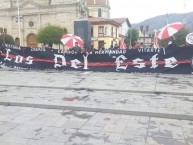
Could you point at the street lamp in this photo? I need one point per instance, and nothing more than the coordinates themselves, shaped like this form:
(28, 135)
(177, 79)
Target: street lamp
(18, 15)
(3, 32)
(130, 39)
(144, 29)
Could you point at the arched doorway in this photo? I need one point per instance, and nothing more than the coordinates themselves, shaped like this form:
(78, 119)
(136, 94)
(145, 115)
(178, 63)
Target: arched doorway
(31, 40)
(17, 41)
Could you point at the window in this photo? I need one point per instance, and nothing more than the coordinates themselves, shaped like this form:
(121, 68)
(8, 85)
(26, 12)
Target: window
(101, 44)
(106, 33)
(17, 41)
(31, 23)
(88, 12)
(99, 12)
(65, 31)
(92, 32)
(111, 31)
(116, 32)
(101, 31)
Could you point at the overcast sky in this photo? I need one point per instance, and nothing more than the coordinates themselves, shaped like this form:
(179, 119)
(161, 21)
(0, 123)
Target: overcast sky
(139, 10)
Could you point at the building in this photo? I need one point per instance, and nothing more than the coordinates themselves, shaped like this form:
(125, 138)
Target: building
(36, 14)
(98, 8)
(124, 25)
(145, 37)
(147, 40)
(104, 32)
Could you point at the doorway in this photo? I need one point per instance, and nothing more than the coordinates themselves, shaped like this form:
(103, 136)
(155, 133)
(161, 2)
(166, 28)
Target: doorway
(31, 40)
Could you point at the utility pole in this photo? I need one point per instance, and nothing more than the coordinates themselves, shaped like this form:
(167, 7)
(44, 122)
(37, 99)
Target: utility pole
(167, 18)
(184, 19)
(130, 46)
(18, 15)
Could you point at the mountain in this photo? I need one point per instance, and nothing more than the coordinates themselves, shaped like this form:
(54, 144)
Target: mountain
(160, 21)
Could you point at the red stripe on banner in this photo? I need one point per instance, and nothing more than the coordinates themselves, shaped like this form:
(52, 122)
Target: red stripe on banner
(105, 64)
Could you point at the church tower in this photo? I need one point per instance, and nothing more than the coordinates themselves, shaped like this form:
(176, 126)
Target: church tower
(98, 8)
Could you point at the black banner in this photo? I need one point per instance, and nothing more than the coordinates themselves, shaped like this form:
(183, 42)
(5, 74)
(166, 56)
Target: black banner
(152, 60)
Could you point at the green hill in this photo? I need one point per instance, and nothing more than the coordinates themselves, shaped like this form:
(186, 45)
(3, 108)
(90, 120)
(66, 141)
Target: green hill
(160, 21)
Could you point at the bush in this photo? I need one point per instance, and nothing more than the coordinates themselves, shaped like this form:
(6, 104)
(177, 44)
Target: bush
(50, 35)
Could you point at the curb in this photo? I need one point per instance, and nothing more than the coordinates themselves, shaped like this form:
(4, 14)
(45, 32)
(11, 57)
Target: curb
(102, 110)
(105, 90)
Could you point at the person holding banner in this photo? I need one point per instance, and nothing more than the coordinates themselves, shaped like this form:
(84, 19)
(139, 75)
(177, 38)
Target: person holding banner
(170, 44)
(77, 48)
(116, 46)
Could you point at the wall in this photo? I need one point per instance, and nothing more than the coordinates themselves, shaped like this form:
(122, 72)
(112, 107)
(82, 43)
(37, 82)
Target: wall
(123, 29)
(93, 11)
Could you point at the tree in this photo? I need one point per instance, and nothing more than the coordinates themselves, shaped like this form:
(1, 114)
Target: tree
(132, 36)
(8, 39)
(50, 35)
(179, 39)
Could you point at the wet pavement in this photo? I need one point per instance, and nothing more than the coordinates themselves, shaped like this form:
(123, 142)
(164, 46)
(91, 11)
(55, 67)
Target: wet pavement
(92, 108)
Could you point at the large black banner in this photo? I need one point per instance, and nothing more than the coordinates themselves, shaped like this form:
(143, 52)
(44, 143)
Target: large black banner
(152, 60)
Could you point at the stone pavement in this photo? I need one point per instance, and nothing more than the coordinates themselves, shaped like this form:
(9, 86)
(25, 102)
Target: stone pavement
(95, 108)
(154, 95)
(34, 126)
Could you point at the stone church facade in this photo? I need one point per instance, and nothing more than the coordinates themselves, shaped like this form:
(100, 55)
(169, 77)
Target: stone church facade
(36, 14)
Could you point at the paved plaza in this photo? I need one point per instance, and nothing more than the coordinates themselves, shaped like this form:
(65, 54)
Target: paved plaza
(95, 108)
